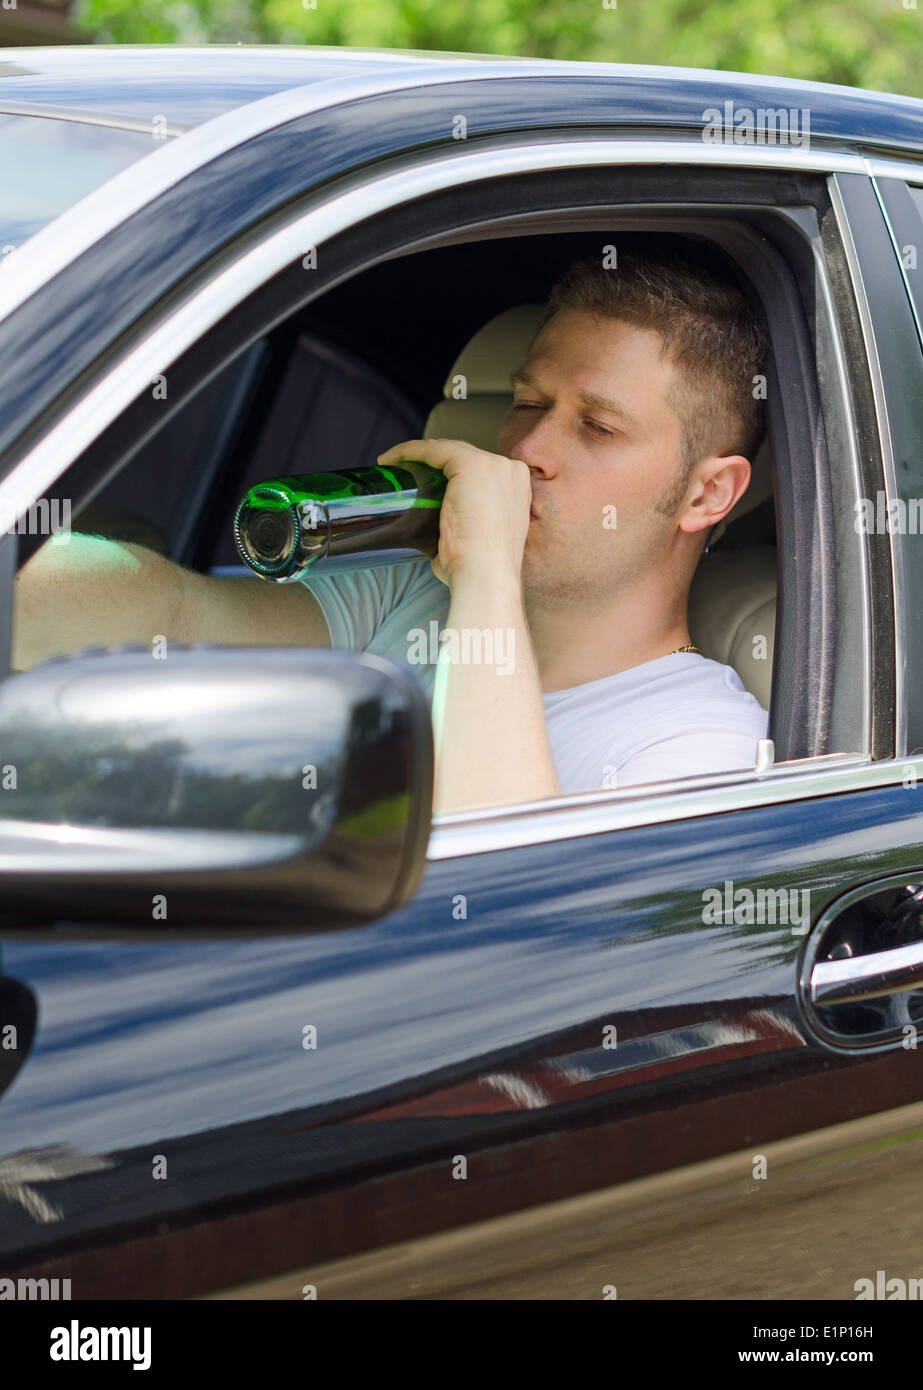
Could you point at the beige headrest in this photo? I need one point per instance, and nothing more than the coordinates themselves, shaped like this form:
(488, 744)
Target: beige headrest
(732, 612)
(477, 396)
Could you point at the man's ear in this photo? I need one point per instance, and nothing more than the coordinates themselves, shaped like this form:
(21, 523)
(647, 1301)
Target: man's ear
(719, 483)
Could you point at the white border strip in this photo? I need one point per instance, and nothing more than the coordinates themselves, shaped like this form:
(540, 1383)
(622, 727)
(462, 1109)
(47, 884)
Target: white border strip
(654, 803)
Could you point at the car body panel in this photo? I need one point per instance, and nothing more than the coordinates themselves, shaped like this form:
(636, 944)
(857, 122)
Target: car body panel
(124, 82)
(137, 86)
(717, 1229)
(441, 1034)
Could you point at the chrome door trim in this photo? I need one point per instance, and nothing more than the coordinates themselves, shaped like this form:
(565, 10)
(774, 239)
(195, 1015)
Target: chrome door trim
(889, 470)
(360, 199)
(67, 237)
(600, 812)
(877, 166)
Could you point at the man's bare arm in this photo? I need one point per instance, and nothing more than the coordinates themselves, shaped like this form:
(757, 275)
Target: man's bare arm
(92, 591)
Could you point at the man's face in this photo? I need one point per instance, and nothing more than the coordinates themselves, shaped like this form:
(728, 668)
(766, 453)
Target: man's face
(590, 418)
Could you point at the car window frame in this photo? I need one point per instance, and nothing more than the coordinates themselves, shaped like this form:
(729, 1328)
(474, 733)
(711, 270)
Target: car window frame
(877, 210)
(590, 811)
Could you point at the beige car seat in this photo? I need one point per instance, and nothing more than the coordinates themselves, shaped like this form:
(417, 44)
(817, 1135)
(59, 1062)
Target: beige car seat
(732, 602)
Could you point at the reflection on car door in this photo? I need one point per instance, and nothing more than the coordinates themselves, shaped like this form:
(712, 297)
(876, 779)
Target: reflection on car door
(561, 1016)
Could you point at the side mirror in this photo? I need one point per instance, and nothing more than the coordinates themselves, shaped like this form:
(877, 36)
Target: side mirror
(218, 787)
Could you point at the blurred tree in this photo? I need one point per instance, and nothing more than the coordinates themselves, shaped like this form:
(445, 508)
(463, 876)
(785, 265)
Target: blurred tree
(876, 44)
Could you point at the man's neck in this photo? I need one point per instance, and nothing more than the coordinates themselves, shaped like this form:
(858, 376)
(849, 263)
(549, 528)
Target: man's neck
(574, 645)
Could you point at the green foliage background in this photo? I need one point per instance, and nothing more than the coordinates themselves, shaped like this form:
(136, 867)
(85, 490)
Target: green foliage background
(876, 44)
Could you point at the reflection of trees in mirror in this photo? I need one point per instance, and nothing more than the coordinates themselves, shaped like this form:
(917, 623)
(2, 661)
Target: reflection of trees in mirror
(103, 784)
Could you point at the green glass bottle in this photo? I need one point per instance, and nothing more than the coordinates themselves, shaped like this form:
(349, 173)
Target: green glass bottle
(284, 525)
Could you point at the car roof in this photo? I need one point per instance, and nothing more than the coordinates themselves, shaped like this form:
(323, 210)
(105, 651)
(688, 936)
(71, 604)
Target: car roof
(130, 85)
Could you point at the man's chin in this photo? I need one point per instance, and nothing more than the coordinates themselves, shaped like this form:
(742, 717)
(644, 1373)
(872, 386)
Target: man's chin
(540, 583)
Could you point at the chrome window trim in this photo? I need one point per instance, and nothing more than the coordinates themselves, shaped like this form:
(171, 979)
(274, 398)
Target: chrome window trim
(56, 246)
(598, 813)
(889, 470)
(74, 116)
(363, 197)
(877, 166)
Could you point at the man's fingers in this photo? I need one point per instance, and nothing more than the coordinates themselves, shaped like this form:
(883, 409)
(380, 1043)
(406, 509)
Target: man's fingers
(413, 449)
(438, 453)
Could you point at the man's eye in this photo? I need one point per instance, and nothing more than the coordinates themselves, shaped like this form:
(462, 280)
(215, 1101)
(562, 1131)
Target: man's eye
(599, 430)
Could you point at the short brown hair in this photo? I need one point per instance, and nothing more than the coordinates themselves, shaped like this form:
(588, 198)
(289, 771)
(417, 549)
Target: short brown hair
(707, 331)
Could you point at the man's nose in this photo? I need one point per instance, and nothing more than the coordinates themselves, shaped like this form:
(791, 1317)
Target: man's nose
(538, 446)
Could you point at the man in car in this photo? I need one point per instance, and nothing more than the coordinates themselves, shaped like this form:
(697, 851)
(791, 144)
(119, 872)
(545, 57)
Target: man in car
(633, 422)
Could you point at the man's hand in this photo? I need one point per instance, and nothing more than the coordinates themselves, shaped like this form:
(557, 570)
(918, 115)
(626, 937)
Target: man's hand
(488, 715)
(484, 518)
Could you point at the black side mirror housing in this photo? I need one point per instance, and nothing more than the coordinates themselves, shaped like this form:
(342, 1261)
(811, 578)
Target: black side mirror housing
(218, 788)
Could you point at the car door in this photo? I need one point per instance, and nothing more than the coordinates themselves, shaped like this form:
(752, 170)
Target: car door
(585, 996)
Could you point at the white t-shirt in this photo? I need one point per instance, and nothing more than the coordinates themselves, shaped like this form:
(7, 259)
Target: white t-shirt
(674, 717)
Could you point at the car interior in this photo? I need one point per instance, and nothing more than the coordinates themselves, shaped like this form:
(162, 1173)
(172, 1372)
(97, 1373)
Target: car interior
(342, 378)
(310, 398)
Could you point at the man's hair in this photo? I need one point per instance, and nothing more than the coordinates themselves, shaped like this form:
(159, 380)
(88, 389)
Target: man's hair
(707, 331)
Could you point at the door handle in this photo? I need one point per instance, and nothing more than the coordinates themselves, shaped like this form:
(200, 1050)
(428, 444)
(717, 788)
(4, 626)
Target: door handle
(867, 977)
(861, 976)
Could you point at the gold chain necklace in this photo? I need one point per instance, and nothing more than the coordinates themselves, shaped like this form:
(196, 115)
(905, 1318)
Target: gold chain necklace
(689, 647)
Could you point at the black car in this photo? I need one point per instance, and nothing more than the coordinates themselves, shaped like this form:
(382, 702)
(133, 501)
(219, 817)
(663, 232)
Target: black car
(640, 1042)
